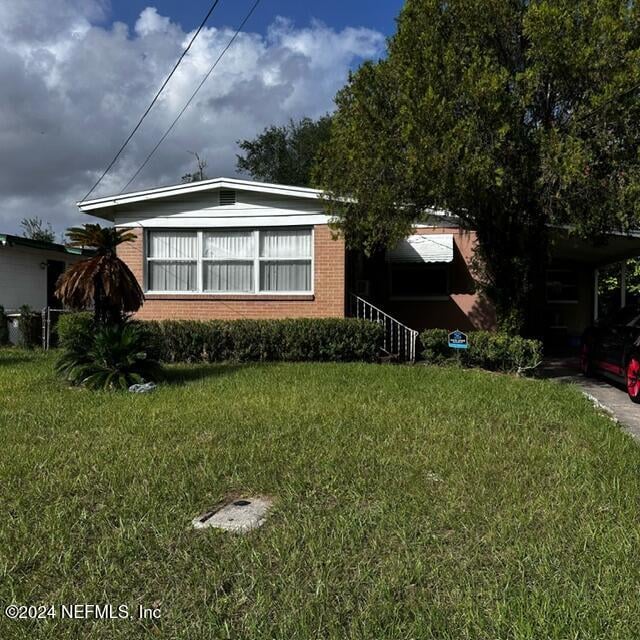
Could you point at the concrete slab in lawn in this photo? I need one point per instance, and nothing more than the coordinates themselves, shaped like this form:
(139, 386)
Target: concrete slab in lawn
(607, 394)
(239, 516)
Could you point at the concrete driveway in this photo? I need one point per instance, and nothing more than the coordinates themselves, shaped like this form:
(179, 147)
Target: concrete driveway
(611, 397)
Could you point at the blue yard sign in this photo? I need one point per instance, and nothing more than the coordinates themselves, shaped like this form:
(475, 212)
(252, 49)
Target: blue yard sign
(458, 340)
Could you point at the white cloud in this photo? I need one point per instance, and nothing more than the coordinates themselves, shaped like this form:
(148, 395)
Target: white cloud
(150, 21)
(73, 89)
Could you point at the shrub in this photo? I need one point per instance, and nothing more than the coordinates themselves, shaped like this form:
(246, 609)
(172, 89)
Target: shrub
(116, 359)
(75, 331)
(294, 340)
(4, 327)
(30, 325)
(494, 351)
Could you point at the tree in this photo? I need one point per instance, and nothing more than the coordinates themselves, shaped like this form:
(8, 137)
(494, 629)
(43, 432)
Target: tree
(34, 229)
(511, 114)
(103, 281)
(199, 173)
(286, 154)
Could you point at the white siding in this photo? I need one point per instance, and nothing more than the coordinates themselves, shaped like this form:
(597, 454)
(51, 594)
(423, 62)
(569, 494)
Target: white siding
(202, 210)
(22, 280)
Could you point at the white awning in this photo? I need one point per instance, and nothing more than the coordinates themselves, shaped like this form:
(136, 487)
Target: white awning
(422, 248)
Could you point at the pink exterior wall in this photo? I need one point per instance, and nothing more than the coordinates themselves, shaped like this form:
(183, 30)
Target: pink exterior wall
(464, 308)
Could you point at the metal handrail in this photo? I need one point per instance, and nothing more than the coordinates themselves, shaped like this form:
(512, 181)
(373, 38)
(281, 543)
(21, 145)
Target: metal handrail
(398, 339)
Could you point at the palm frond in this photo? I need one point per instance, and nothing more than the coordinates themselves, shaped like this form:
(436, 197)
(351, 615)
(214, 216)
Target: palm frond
(80, 284)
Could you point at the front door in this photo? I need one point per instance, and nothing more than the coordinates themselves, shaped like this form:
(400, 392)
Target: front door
(55, 268)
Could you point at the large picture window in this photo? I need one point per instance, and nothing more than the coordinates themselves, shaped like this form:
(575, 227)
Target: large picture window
(230, 261)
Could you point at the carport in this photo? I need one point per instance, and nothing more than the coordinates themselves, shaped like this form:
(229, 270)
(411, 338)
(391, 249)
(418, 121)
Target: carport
(573, 282)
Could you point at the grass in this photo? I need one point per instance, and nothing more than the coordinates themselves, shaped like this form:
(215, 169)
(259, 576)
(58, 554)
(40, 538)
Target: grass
(411, 502)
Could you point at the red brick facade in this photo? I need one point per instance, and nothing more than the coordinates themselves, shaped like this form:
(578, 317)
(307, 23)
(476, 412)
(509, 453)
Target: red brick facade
(328, 299)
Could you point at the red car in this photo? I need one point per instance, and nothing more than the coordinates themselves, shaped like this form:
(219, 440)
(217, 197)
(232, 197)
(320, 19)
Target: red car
(612, 348)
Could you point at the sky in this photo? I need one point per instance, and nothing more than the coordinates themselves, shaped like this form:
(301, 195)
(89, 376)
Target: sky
(77, 74)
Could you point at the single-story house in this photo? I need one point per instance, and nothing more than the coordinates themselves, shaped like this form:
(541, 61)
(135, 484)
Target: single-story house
(229, 248)
(29, 270)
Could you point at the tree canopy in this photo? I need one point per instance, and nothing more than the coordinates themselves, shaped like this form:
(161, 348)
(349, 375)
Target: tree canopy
(286, 154)
(512, 115)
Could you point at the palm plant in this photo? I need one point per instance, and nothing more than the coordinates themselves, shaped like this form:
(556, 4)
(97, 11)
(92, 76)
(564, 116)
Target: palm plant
(103, 281)
(116, 360)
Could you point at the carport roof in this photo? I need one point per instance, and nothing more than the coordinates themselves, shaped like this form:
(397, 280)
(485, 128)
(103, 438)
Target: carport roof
(614, 248)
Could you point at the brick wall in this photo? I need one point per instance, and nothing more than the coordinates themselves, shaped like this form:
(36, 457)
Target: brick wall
(327, 300)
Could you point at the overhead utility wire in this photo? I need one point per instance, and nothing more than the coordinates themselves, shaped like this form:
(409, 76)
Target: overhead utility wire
(146, 113)
(193, 95)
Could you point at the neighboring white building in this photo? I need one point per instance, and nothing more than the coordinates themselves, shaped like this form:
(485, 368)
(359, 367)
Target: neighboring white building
(29, 270)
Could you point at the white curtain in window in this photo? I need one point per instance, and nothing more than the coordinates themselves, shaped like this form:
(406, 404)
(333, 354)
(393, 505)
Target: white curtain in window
(285, 243)
(173, 244)
(228, 244)
(285, 276)
(231, 276)
(173, 276)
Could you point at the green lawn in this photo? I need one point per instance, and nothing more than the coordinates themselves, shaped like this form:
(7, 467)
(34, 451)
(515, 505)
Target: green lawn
(411, 502)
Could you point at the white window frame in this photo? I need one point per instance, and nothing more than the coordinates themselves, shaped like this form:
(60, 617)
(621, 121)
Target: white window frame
(203, 260)
(257, 260)
(148, 259)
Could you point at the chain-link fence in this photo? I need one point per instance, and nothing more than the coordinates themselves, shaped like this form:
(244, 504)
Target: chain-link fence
(49, 320)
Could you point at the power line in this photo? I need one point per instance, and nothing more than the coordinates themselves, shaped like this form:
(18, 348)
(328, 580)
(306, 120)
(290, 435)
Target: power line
(595, 110)
(606, 103)
(155, 98)
(193, 95)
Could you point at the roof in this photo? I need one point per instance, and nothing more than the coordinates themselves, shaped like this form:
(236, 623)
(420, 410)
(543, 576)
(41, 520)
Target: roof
(7, 240)
(97, 204)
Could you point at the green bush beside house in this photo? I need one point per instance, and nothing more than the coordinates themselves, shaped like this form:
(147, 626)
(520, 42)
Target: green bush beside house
(303, 340)
(288, 340)
(494, 351)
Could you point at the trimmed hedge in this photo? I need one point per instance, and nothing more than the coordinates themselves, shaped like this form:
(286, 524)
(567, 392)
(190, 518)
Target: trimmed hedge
(494, 351)
(75, 331)
(293, 340)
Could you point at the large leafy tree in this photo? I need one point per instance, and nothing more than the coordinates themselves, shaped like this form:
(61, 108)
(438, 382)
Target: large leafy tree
(102, 281)
(285, 154)
(511, 114)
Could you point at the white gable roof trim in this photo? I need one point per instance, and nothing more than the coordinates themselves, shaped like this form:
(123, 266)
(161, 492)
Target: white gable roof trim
(195, 187)
(422, 248)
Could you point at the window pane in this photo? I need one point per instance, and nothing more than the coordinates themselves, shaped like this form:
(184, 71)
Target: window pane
(419, 280)
(285, 243)
(173, 244)
(173, 276)
(285, 276)
(228, 276)
(228, 244)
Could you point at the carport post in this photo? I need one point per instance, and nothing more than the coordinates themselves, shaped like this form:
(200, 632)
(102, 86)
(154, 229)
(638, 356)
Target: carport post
(623, 284)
